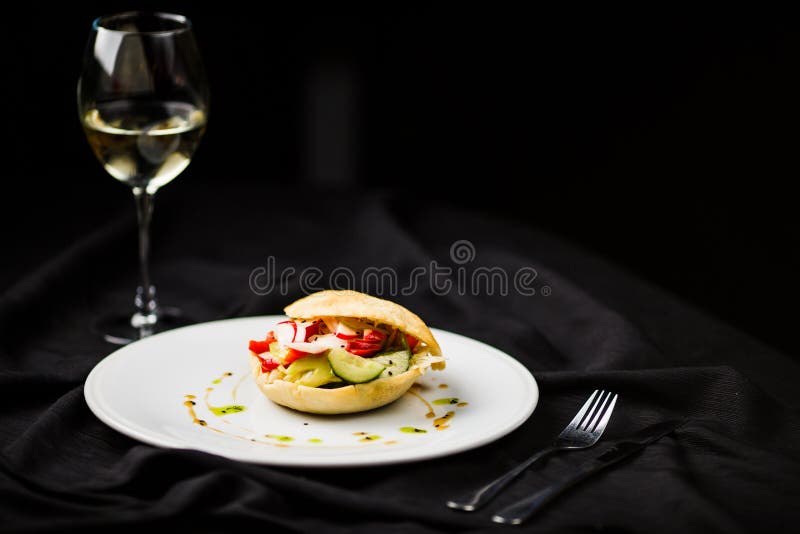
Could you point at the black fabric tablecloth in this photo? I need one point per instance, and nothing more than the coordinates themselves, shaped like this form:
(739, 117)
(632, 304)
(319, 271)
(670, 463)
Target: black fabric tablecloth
(734, 467)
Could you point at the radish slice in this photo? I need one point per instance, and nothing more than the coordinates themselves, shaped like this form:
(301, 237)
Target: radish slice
(285, 332)
(345, 332)
(311, 348)
(344, 337)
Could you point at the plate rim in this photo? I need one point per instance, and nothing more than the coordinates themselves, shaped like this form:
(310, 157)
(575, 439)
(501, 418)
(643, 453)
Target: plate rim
(132, 429)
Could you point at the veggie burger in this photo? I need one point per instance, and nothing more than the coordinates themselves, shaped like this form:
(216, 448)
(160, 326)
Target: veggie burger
(343, 352)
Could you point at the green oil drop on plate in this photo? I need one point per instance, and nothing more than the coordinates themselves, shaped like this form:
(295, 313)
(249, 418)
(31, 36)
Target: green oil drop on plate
(219, 411)
(413, 430)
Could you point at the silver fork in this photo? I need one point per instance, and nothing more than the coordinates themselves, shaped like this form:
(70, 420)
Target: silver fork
(582, 432)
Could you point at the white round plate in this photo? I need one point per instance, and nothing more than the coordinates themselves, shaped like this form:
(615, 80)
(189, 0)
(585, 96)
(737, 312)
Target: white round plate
(146, 390)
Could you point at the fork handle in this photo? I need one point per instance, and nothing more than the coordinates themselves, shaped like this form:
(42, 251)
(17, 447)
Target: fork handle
(521, 510)
(476, 499)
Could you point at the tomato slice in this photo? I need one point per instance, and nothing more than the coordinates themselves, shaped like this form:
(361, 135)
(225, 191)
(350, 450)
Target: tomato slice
(375, 336)
(412, 342)
(360, 347)
(312, 330)
(292, 355)
(268, 364)
(362, 344)
(260, 347)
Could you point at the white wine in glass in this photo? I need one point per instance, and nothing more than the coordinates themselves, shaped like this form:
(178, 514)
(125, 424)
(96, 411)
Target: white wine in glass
(143, 103)
(144, 145)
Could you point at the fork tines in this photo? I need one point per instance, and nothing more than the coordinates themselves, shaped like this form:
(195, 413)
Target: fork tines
(595, 413)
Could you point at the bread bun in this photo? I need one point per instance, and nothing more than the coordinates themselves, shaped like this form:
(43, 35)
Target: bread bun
(347, 399)
(355, 397)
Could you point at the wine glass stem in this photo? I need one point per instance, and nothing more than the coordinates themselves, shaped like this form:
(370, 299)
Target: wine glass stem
(146, 314)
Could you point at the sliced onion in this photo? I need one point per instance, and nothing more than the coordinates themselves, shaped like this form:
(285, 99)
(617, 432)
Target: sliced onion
(331, 323)
(300, 332)
(328, 341)
(304, 346)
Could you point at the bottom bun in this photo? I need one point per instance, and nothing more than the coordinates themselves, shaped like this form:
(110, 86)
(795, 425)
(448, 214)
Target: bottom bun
(347, 399)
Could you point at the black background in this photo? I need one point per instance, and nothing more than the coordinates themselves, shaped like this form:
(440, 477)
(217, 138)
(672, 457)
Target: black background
(666, 141)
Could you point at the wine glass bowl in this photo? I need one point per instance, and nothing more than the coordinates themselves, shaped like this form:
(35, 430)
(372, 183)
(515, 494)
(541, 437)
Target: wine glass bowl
(143, 104)
(144, 145)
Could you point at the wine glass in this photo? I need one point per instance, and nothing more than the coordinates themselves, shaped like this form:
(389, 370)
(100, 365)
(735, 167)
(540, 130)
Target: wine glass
(143, 103)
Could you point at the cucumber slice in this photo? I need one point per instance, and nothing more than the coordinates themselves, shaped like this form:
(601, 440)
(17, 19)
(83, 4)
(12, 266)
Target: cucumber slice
(311, 371)
(352, 368)
(396, 362)
(279, 353)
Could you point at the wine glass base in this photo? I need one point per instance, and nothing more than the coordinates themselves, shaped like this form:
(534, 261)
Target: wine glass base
(118, 330)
